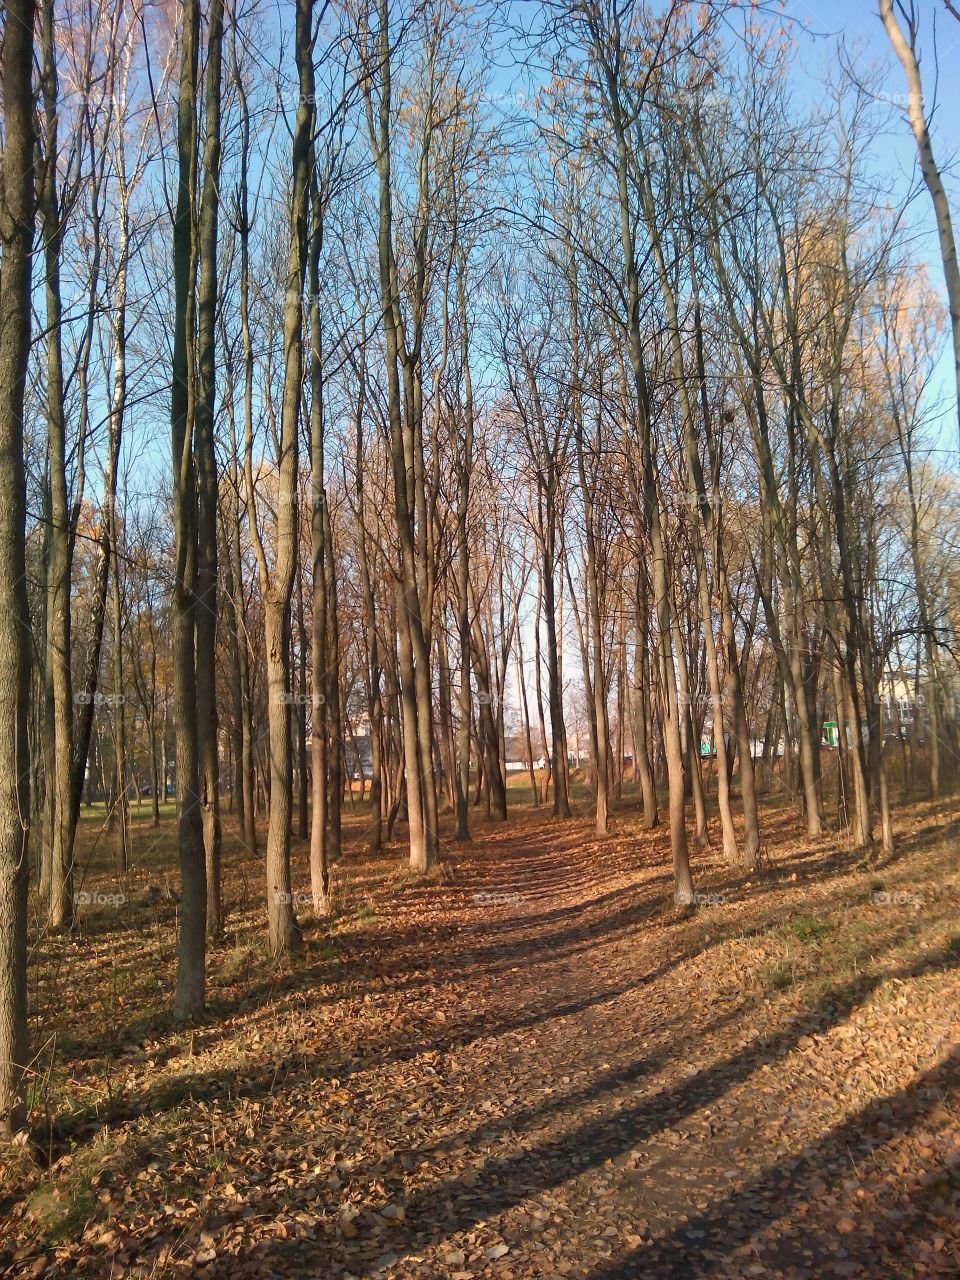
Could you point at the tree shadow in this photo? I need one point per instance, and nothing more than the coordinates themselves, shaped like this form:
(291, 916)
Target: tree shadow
(703, 1245)
(499, 1183)
(597, 1141)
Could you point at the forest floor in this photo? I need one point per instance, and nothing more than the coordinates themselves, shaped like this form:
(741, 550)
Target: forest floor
(532, 1064)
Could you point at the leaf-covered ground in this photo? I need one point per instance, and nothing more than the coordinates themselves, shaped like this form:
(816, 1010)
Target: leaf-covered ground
(531, 1065)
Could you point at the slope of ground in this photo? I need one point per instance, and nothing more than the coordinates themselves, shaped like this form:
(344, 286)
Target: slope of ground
(533, 1065)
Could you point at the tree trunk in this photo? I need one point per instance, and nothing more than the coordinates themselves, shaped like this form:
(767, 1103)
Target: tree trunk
(683, 882)
(190, 997)
(248, 765)
(558, 734)
(301, 717)
(283, 931)
(16, 237)
(525, 713)
(374, 694)
(406, 459)
(207, 481)
(121, 806)
(332, 689)
(642, 763)
(906, 52)
(59, 757)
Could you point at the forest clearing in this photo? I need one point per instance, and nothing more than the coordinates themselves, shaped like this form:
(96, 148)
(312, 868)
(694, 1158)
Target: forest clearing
(530, 1064)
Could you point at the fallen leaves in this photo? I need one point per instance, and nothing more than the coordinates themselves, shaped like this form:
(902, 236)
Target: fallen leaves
(573, 1084)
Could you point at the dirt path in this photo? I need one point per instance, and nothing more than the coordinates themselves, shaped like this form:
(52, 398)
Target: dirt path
(538, 1068)
(594, 1103)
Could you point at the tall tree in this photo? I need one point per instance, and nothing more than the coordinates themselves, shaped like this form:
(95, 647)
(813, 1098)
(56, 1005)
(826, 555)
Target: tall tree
(905, 47)
(283, 931)
(403, 339)
(190, 998)
(206, 468)
(17, 205)
(622, 97)
(53, 205)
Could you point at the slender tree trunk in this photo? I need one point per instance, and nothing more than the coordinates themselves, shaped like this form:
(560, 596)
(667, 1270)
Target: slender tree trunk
(538, 684)
(283, 931)
(101, 573)
(374, 695)
(486, 695)
(207, 481)
(335, 761)
(558, 734)
(301, 717)
(447, 744)
(45, 789)
(319, 658)
(249, 757)
(118, 704)
(59, 539)
(406, 459)
(643, 765)
(16, 238)
(234, 641)
(596, 680)
(683, 881)
(190, 998)
(155, 777)
(462, 789)
(689, 739)
(525, 712)
(906, 52)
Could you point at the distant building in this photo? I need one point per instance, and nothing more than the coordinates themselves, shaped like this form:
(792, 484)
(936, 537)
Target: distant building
(357, 756)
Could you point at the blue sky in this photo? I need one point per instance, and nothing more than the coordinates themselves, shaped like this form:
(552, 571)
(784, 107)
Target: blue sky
(858, 23)
(817, 26)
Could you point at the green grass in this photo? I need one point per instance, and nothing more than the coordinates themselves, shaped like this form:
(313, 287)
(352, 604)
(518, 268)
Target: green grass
(780, 978)
(139, 814)
(326, 950)
(59, 1210)
(807, 929)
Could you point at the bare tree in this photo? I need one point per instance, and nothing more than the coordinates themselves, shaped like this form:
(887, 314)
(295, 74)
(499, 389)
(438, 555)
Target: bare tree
(277, 581)
(905, 47)
(190, 998)
(16, 237)
(206, 606)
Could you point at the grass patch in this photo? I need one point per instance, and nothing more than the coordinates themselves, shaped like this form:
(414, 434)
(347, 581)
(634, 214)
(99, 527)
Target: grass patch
(807, 929)
(60, 1207)
(325, 950)
(776, 977)
(60, 1213)
(238, 963)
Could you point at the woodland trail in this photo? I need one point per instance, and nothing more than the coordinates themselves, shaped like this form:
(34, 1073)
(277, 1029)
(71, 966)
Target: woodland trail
(538, 1067)
(588, 1105)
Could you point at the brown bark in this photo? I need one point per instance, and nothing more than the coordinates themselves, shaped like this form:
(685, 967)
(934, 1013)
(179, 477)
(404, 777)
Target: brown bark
(683, 882)
(283, 931)
(190, 997)
(16, 239)
(207, 603)
(58, 755)
(406, 457)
